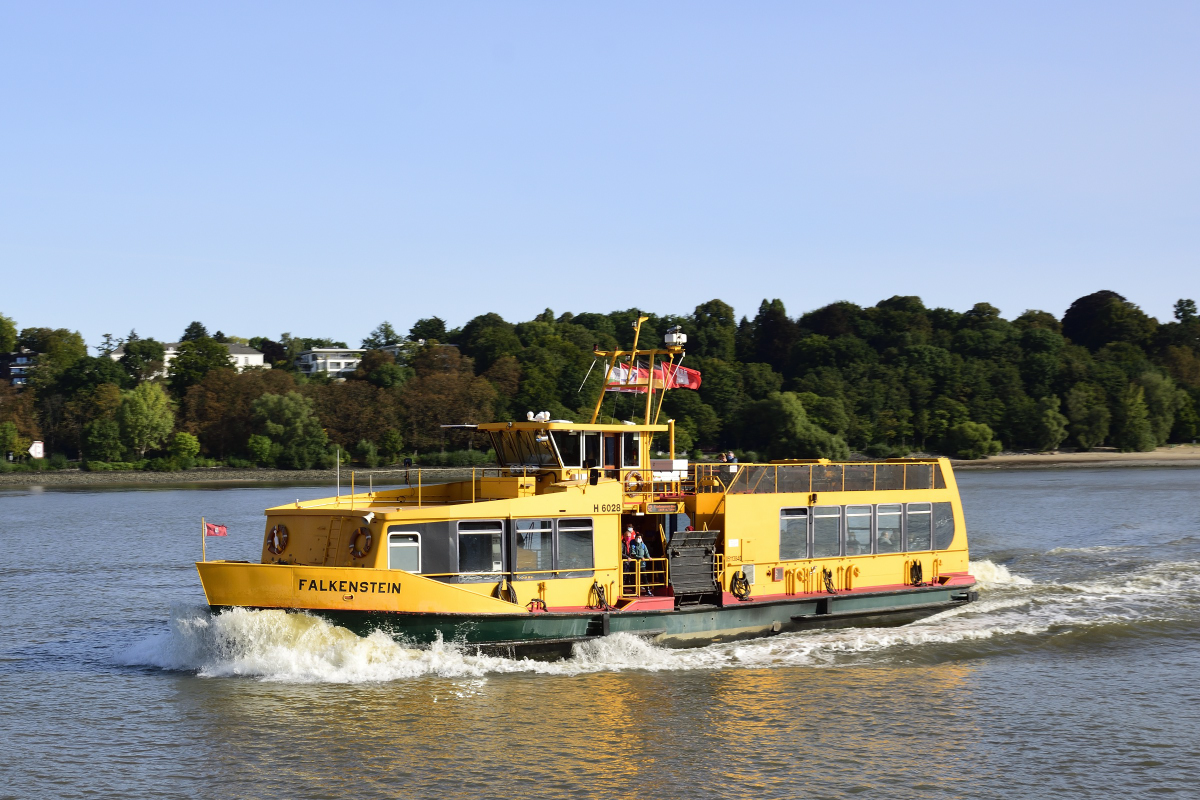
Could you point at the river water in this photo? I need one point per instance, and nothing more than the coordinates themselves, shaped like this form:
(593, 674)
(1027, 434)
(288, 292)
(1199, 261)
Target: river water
(1076, 675)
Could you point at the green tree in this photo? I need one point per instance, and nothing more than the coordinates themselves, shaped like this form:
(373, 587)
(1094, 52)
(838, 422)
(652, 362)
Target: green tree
(1088, 414)
(380, 368)
(429, 329)
(184, 445)
(290, 421)
(194, 332)
(8, 334)
(1185, 310)
(1163, 401)
(1052, 425)
(382, 336)
(714, 331)
(195, 359)
(1102, 317)
(102, 440)
(142, 359)
(262, 450)
(391, 445)
(971, 440)
(779, 426)
(8, 438)
(145, 418)
(367, 452)
(1133, 432)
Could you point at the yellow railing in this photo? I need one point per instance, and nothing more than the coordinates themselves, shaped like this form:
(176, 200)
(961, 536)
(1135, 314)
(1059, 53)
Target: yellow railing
(816, 477)
(641, 575)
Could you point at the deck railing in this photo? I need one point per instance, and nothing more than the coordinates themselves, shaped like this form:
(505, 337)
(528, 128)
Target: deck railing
(643, 574)
(776, 478)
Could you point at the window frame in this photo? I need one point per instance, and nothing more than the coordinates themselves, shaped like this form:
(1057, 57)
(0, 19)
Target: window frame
(899, 514)
(807, 517)
(870, 515)
(399, 530)
(840, 538)
(908, 548)
(458, 533)
(580, 572)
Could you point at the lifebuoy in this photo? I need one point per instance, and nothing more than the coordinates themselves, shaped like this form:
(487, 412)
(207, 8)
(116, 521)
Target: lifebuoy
(277, 539)
(632, 481)
(365, 535)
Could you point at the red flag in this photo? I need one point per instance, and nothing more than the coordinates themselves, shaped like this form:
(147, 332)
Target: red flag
(677, 377)
(214, 530)
(666, 376)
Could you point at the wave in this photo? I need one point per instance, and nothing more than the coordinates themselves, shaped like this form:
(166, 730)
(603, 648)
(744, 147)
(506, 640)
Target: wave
(297, 647)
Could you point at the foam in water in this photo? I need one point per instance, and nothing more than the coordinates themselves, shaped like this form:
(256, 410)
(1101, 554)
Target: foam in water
(297, 647)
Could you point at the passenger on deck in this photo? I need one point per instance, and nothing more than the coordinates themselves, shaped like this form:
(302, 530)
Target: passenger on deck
(638, 550)
(853, 546)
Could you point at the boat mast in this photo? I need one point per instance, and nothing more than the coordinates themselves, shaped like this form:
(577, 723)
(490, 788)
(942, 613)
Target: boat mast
(671, 350)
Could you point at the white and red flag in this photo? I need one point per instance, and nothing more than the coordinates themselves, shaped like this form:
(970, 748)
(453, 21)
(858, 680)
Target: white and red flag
(215, 530)
(626, 377)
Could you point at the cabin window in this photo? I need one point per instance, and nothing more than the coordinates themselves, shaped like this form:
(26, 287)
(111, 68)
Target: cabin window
(943, 525)
(480, 546)
(918, 524)
(612, 446)
(524, 448)
(591, 450)
(793, 533)
(887, 528)
(570, 447)
(575, 548)
(827, 528)
(404, 550)
(631, 450)
(858, 530)
(534, 547)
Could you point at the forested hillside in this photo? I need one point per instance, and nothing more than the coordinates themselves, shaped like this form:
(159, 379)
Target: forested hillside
(885, 380)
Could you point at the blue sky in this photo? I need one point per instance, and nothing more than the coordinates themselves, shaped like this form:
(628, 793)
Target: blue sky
(319, 168)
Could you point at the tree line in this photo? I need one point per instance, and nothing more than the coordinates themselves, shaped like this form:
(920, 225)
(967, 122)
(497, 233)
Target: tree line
(886, 380)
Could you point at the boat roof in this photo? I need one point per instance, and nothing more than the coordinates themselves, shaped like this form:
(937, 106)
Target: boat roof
(562, 425)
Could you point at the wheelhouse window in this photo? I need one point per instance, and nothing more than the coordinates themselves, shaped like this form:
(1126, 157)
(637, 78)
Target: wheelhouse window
(524, 448)
(591, 450)
(480, 546)
(404, 550)
(827, 528)
(570, 447)
(943, 525)
(793, 533)
(887, 528)
(918, 524)
(534, 548)
(631, 450)
(575, 548)
(858, 530)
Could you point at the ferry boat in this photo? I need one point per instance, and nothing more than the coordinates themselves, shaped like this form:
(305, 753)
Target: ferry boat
(527, 559)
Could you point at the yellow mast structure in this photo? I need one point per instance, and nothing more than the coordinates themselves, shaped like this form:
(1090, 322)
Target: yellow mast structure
(669, 351)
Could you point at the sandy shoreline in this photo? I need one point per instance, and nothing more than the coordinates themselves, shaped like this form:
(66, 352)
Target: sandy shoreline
(1174, 456)
(230, 477)
(1181, 455)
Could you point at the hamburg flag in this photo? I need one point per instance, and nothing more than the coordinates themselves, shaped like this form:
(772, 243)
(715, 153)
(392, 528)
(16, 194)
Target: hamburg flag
(215, 530)
(632, 378)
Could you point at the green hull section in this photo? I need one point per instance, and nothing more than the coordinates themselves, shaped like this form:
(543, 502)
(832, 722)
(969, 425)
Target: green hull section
(551, 635)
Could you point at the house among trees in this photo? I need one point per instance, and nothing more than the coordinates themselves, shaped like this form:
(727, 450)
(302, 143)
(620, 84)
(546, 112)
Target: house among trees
(241, 357)
(336, 362)
(15, 367)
